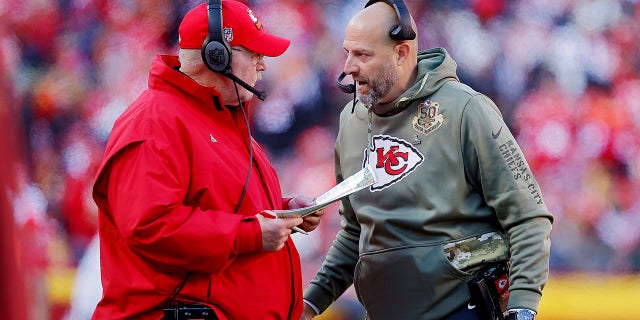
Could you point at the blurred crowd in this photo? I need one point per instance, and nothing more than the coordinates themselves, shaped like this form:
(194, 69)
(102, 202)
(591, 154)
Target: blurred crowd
(565, 74)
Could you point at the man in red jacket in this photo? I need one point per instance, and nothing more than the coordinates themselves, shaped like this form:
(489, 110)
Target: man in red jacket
(184, 190)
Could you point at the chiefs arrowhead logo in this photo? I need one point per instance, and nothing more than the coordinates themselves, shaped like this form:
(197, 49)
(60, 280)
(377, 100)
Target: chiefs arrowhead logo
(392, 159)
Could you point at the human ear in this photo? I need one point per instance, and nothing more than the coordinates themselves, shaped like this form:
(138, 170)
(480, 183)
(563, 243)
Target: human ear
(402, 50)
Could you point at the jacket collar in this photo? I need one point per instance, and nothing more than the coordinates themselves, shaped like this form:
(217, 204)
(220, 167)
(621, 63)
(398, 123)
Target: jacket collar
(164, 75)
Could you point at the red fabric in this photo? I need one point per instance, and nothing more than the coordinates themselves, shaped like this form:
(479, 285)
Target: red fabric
(241, 28)
(173, 172)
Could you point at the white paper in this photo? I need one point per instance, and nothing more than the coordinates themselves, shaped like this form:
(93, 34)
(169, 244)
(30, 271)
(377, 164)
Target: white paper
(358, 181)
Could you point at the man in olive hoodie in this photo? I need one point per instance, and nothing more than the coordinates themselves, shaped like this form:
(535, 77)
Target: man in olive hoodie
(453, 192)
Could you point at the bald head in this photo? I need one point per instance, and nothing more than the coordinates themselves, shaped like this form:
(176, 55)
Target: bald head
(375, 21)
(378, 20)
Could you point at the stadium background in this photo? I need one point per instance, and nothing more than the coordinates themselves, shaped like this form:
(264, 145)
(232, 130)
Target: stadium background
(565, 74)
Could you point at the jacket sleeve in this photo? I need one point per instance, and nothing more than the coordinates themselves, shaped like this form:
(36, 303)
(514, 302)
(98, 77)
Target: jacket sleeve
(496, 166)
(145, 192)
(336, 274)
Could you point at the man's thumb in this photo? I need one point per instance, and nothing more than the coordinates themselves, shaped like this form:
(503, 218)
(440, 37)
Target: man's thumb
(292, 222)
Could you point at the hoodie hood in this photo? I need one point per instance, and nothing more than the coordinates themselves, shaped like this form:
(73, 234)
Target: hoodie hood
(435, 68)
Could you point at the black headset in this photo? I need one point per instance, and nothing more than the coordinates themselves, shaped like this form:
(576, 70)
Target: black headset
(216, 51)
(402, 31)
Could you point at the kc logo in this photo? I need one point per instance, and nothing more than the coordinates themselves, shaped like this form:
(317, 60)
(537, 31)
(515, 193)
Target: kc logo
(394, 159)
(390, 160)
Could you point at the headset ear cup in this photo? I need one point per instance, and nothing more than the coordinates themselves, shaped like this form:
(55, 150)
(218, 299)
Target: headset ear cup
(404, 29)
(216, 55)
(396, 33)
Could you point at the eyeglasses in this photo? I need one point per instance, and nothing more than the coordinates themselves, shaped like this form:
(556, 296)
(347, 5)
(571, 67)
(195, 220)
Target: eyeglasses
(257, 58)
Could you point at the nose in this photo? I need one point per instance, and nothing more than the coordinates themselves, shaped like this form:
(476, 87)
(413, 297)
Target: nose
(262, 65)
(350, 67)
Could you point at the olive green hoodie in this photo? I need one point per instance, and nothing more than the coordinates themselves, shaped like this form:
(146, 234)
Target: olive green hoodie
(448, 170)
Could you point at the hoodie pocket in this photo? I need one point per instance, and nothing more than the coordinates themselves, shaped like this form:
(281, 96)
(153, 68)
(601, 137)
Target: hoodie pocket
(409, 282)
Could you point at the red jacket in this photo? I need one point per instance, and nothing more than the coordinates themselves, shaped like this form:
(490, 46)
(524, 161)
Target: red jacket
(174, 168)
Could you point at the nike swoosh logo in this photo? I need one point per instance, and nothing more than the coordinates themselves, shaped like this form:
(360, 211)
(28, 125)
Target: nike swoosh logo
(497, 134)
(469, 305)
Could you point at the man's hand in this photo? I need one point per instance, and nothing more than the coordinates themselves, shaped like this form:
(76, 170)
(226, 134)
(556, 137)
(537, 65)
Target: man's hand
(311, 221)
(307, 313)
(275, 232)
